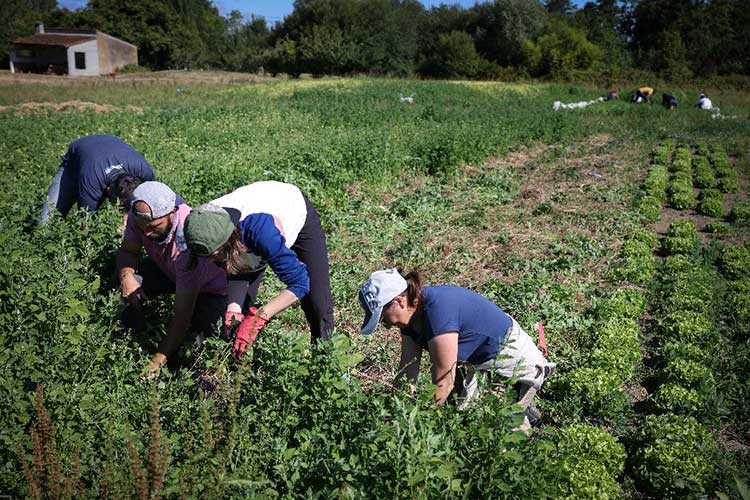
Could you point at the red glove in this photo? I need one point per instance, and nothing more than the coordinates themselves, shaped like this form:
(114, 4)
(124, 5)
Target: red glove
(248, 331)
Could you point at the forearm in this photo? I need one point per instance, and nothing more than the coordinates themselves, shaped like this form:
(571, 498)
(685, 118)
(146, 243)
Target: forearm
(176, 331)
(127, 263)
(283, 300)
(443, 390)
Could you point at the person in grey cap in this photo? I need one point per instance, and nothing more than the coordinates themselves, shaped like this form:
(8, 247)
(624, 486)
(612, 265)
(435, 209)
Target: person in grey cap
(266, 223)
(464, 332)
(96, 168)
(156, 225)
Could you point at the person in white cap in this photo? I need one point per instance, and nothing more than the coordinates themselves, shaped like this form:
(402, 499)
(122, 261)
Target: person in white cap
(704, 102)
(459, 328)
(156, 225)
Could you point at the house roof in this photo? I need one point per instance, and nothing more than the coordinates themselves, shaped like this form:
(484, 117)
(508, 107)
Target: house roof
(54, 39)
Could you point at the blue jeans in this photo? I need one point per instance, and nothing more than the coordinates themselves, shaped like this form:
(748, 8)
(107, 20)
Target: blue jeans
(62, 193)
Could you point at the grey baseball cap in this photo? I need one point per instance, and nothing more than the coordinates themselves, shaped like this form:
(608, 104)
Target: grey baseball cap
(158, 196)
(379, 289)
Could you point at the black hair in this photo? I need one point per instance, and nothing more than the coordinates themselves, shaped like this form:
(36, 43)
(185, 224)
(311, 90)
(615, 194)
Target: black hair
(121, 190)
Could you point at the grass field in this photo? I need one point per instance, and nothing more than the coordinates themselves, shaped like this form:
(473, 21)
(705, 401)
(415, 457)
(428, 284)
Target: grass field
(477, 184)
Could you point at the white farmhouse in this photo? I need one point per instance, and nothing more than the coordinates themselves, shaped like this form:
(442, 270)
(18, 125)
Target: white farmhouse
(71, 52)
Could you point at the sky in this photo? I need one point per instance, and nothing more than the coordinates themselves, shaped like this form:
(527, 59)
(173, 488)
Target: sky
(272, 10)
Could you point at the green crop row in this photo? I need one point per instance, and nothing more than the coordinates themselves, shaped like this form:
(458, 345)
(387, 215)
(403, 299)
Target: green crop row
(636, 259)
(663, 153)
(726, 175)
(675, 455)
(703, 173)
(711, 203)
(681, 238)
(655, 186)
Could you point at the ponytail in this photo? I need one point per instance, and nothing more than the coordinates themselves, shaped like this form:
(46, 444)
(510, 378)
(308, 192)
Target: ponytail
(414, 285)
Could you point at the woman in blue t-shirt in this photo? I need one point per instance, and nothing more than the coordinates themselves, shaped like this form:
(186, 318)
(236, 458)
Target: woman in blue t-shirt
(457, 327)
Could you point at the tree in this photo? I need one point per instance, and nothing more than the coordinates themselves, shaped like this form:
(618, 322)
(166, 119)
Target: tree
(561, 49)
(501, 28)
(455, 56)
(19, 18)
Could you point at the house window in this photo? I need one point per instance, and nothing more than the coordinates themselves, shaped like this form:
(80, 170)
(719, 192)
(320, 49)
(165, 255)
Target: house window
(25, 53)
(80, 60)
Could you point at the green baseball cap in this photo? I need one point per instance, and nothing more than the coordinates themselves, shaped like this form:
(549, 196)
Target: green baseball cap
(207, 228)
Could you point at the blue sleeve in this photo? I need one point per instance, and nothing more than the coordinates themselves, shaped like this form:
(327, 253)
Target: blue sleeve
(261, 236)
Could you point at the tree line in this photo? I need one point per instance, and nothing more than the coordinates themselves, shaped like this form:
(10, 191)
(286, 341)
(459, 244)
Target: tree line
(676, 39)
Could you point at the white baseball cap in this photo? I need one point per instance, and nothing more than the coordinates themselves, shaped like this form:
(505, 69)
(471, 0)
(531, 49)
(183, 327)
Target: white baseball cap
(158, 196)
(379, 289)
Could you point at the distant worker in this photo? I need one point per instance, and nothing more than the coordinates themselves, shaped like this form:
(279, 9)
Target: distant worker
(643, 94)
(156, 224)
(258, 225)
(669, 101)
(704, 102)
(96, 167)
(464, 332)
(613, 95)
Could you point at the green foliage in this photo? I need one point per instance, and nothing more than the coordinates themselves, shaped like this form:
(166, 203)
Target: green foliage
(717, 227)
(455, 56)
(734, 262)
(676, 457)
(688, 326)
(738, 305)
(677, 351)
(703, 174)
(627, 303)
(672, 398)
(682, 238)
(711, 203)
(650, 208)
(740, 214)
(560, 50)
(591, 460)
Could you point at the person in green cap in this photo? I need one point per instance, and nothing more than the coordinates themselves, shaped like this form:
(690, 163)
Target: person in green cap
(258, 225)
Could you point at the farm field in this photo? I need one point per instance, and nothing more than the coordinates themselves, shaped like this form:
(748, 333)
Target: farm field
(623, 228)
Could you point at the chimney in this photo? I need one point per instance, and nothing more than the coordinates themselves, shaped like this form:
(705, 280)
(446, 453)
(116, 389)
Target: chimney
(39, 28)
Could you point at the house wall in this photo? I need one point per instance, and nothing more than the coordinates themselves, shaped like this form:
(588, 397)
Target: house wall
(114, 53)
(39, 59)
(92, 59)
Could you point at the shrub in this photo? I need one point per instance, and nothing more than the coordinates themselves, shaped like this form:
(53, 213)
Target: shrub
(676, 457)
(734, 262)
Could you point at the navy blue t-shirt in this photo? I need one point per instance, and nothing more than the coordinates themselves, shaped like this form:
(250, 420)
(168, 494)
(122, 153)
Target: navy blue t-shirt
(481, 325)
(98, 159)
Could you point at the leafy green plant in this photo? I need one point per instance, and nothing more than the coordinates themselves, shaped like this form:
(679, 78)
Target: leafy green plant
(676, 457)
(672, 398)
(740, 214)
(682, 238)
(711, 203)
(628, 303)
(734, 262)
(717, 227)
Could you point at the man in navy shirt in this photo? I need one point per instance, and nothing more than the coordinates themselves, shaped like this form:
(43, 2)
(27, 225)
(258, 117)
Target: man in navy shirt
(96, 167)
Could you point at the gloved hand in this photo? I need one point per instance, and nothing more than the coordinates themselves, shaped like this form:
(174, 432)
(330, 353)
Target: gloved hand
(248, 331)
(233, 317)
(231, 320)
